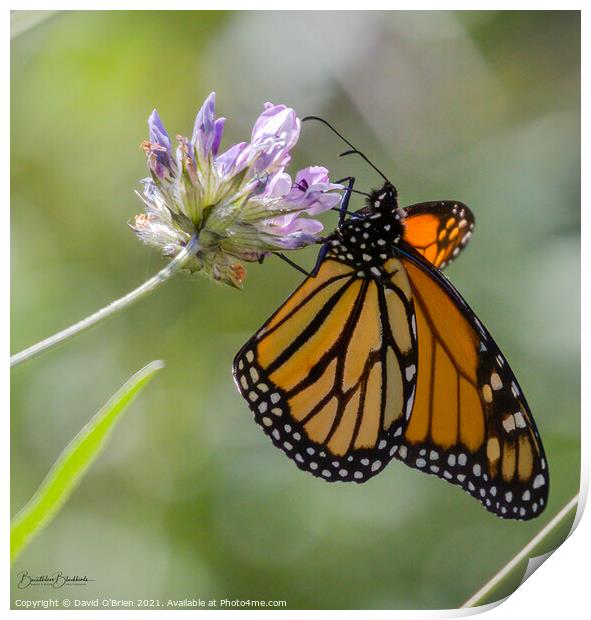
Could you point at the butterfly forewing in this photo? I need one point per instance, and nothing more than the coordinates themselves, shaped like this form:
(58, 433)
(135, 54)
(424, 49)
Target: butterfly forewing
(438, 230)
(470, 424)
(330, 377)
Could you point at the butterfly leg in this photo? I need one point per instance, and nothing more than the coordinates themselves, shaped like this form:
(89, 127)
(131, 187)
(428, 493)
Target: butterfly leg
(319, 259)
(342, 209)
(261, 260)
(292, 263)
(343, 212)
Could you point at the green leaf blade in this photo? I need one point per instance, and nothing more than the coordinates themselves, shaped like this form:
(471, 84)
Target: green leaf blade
(74, 461)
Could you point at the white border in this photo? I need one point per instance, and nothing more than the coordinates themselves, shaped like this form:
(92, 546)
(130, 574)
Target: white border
(560, 586)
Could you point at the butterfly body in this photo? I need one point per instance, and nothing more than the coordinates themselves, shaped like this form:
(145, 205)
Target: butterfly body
(377, 356)
(367, 240)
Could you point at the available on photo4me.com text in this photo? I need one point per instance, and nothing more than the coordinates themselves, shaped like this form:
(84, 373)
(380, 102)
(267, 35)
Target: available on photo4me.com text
(111, 603)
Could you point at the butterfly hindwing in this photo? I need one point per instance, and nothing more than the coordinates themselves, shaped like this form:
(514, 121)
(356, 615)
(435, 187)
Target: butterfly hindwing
(470, 424)
(438, 230)
(330, 377)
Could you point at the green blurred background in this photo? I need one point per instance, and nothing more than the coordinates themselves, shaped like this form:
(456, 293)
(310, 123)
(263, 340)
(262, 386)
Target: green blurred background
(190, 499)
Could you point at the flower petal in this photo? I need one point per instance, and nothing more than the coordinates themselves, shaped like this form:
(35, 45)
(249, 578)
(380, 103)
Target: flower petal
(218, 129)
(315, 176)
(275, 133)
(313, 192)
(158, 134)
(278, 185)
(204, 131)
(290, 224)
(232, 161)
(158, 148)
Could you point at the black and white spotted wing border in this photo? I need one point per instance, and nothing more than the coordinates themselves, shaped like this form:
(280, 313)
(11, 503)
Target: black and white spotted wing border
(270, 407)
(508, 420)
(271, 413)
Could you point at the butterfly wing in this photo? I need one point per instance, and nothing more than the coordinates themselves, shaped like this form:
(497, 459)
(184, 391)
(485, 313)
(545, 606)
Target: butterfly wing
(438, 230)
(330, 377)
(470, 423)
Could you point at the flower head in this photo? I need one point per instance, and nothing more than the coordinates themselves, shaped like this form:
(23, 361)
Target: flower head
(240, 203)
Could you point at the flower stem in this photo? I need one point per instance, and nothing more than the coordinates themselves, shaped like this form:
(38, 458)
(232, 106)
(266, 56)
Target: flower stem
(180, 260)
(480, 597)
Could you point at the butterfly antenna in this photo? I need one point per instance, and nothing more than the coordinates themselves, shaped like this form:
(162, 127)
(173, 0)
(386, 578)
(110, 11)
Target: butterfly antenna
(356, 152)
(356, 191)
(353, 149)
(303, 188)
(340, 135)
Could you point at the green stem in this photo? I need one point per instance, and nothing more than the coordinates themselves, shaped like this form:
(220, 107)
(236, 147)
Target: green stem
(180, 260)
(480, 597)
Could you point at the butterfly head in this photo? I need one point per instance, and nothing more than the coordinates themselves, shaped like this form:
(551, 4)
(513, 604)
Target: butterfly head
(383, 200)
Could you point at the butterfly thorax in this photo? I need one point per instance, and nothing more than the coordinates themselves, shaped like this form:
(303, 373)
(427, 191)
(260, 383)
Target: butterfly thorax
(369, 236)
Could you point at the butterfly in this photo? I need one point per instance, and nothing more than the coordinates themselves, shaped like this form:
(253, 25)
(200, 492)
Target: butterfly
(376, 356)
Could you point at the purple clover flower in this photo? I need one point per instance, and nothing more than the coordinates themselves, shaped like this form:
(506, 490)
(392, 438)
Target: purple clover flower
(241, 203)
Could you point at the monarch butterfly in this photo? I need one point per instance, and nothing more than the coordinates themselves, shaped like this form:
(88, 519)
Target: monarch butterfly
(377, 356)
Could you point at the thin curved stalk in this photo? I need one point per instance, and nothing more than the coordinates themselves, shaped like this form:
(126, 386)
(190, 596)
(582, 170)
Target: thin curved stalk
(181, 259)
